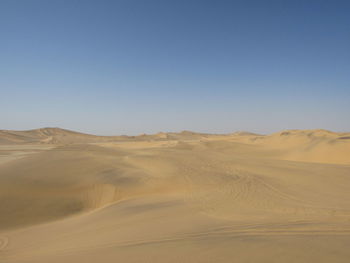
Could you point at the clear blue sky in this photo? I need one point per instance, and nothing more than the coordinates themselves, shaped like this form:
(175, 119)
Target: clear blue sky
(128, 67)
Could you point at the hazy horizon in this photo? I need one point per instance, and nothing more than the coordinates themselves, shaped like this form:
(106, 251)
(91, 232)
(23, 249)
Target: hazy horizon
(175, 131)
(132, 67)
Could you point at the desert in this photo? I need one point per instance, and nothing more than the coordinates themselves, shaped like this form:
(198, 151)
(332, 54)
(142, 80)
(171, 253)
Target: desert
(194, 197)
(174, 131)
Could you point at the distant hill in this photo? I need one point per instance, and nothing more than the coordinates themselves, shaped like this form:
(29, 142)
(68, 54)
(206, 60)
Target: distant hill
(50, 136)
(63, 136)
(300, 145)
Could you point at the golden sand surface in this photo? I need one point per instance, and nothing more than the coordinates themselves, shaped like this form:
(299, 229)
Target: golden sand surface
(170, 197)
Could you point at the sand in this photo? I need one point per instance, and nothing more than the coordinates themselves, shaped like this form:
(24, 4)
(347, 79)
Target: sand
(169, 197)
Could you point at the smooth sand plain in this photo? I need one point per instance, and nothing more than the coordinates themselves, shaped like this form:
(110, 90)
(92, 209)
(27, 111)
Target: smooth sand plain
(170, 197)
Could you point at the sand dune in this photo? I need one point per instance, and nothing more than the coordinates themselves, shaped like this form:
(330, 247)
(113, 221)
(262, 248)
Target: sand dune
(242, 197)
(303, 145)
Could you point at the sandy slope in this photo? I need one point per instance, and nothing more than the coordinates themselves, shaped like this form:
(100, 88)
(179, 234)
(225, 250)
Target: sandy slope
(175, 196)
